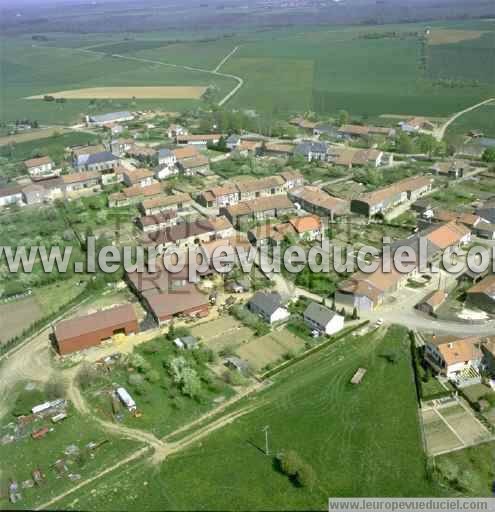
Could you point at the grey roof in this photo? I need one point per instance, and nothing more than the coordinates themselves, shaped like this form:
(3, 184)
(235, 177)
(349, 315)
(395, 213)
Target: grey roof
(189, 341)
(486, 142)
(233, 139)
(237, 362)
(98, 158)
(487, 212)
(308, 146)
(164, 153)
(327, 128)
(413, 243)
(266, 302)
(10, 190)
(319, 314)
(111, 116)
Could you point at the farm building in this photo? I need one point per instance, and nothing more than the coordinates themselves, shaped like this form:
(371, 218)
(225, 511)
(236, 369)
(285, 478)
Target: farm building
(432, 302)
(111, 117)
(88, 331)
(482, 295)
(314, 200)
(184, 301)
(177, 202)
(383, 199)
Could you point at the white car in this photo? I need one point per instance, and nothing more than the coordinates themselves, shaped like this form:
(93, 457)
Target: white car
(379, 322)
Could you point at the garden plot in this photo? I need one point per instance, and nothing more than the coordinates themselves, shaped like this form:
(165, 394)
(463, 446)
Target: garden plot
(270, 348)
(225, 332)
(451, 427)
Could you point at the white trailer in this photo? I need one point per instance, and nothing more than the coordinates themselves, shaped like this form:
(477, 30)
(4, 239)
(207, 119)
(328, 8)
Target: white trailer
(126, 399)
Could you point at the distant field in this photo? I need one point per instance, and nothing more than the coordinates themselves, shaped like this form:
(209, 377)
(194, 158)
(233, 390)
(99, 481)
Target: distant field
(29, 136)
(127, 93)
(444, 36)
(467, 59)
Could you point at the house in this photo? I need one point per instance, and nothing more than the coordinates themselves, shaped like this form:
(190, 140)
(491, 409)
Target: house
(249, 147)
(320, 318)
(81, 181)
(454, 358)
(157, 222)
(164, 171)
(277, 149)
(176, 130)
(185, 301)
(9, 195)
(470, 220)
(45, 190)
(185, 152)
(417, 125)
(293, 179)
(365, 292)
(307, 227)
(217, 197)
(432, 302)
(314, 200)
(101, 161)
(327, 130)
(186, 342)
(142, 177)
(33, 194)
(311, 150)
(112, 117)
(268, 305)
(261, 187)
(154, 205)
(166, 157)
(39, 168)
(194, 166)
(133, 195)
(487, 211)
(87, 331)
(485, 230)
(257, 209)
(119, 147)
(482, 295)
(453, 169)
(383, 199)
(200, 141)
(303, 123)
(144, 154)
(358, 131)
(233, 142)
(424, 207)
(190, 234)
(352, 157)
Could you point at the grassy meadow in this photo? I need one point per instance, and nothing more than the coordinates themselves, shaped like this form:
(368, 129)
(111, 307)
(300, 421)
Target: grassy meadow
(360, 441)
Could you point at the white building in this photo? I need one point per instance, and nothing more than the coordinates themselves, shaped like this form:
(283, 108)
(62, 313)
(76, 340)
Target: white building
(321, 319)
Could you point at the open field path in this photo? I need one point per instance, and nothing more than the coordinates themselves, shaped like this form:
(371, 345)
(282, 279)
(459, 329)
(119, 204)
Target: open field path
(440, 132)
(161, 449)
(227, 97)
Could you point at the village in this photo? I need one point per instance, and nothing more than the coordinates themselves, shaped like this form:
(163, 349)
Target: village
(149, 353)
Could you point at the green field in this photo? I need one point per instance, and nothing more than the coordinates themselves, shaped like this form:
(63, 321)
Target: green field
(286, 70)
(30, 70)
(361, 441)
(482, 119)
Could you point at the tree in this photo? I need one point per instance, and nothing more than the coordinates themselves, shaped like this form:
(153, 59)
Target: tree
(306, 476)
(427, 144)
(489, 155)
(405, 144)
(191, 383)
(290, 462)
(343, 117)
